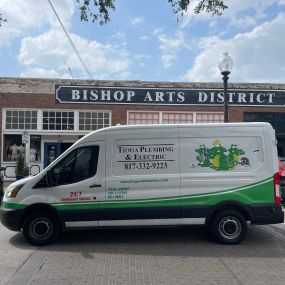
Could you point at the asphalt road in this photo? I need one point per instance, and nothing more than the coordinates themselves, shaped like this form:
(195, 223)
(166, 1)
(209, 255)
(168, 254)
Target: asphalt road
(145, 256)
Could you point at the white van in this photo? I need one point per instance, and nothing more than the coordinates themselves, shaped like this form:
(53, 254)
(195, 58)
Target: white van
(221, 175)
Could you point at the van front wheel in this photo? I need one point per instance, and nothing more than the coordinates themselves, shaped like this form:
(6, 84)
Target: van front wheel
(229, 227)
(41, 228)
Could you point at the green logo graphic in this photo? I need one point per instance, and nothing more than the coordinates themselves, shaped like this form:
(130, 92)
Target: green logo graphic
(220, 158)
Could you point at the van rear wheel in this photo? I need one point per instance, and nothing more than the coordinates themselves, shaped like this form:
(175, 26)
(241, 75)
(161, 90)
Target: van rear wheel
(41, 228)
(229, 227)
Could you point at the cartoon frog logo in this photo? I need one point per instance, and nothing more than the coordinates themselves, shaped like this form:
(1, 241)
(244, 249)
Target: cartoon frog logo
(203, 156)
(217, 153)
(219, 158)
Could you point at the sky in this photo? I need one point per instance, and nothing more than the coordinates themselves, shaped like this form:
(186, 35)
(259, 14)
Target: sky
(144, 41)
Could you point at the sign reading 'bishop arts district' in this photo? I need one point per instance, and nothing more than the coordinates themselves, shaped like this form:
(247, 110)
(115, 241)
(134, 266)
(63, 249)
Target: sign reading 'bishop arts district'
(167, 96)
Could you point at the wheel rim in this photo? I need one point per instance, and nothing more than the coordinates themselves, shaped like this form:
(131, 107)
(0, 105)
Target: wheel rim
(230, 227)
(41, 229)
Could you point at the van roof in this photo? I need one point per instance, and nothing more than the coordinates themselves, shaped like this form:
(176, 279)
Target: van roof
(101, 132)
(201, 125)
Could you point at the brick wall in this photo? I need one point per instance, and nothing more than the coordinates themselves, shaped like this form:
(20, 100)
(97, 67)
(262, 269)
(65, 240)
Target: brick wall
(40, 93)
(24, 93)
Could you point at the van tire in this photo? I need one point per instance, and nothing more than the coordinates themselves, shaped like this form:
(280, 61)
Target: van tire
(41, 228)
(229, 227)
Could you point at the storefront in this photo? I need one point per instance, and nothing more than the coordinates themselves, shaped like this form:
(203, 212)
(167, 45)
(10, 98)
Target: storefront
(49, 132)
(53, 114)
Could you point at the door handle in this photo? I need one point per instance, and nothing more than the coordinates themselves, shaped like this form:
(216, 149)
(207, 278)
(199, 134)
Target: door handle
(95, 185)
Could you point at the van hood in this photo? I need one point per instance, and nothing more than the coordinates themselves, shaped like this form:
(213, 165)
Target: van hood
(22, 181)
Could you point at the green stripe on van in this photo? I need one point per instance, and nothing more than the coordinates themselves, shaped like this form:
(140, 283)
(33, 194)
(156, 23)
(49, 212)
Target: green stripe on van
(250, 194)
(8, 205)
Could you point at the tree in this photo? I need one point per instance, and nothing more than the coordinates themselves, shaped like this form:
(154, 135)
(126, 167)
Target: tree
(2, 20)
(95, 10)
(21, 167)
(99, 9)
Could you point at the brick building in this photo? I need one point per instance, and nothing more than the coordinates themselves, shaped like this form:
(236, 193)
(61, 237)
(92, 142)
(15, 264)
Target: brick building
(54, 113)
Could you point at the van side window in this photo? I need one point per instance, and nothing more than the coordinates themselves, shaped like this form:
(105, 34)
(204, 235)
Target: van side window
(79, 165)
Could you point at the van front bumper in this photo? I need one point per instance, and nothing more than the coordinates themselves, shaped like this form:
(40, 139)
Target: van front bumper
(11, 218)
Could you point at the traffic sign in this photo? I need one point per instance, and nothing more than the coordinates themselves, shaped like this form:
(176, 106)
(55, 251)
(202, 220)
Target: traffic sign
(25, 137)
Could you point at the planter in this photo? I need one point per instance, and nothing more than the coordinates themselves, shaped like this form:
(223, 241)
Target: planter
(18, 177)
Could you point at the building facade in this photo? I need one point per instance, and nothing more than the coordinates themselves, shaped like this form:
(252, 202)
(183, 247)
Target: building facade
(41, 118)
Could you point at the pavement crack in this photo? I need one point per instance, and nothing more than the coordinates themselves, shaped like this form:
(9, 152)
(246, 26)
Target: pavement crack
(19, 268)
(27, 271)
(235, 277)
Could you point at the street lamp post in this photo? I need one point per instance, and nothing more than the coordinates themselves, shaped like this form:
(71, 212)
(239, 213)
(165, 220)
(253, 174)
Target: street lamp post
(225, 66)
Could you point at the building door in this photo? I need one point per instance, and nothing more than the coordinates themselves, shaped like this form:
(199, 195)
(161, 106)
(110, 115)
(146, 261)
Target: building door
(52, 150)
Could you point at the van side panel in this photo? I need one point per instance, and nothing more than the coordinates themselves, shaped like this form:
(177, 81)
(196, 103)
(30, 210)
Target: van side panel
(142, 174)
(223, 164)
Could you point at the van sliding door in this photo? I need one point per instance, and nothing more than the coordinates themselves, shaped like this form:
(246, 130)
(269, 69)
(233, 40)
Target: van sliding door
(143, 178)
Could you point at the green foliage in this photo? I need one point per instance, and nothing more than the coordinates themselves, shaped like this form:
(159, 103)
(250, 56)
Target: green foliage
(21, 168)
(215, 7)
(2, 20)
(99, 9)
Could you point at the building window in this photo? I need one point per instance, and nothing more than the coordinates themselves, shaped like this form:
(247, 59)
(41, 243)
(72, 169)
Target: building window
(55, 120)
(143, 118)
(209, 118)
(35, 148)
(177, 118)
(167, 117)
(12, 147)
(89, 121)
(21, 120)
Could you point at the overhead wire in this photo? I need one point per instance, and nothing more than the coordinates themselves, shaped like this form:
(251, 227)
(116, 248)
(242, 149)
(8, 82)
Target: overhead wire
(71, 42)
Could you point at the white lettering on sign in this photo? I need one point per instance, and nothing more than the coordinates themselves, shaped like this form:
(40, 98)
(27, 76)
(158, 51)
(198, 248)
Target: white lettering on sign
(236, 97)
(75, 94)
(164, 96)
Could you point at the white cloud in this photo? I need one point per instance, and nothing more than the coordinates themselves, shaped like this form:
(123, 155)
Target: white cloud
(142, 56)
(168, 59)
(32, 14)
(43, 73)
(158, 31)
(7, 33)
(42, 52)
(235, 12)
(170, 47)
(136, 21)
(144, 38)
(118, 40)
(258, 55)
(142, 59)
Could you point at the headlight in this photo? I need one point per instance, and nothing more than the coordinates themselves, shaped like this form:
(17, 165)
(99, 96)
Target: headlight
(12, 191)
